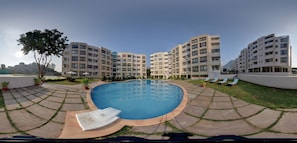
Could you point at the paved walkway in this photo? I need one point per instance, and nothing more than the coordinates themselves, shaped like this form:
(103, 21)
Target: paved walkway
(41, 110)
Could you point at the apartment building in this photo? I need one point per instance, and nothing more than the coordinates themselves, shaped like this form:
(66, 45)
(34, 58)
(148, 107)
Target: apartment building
(83, 58)
(160, 65)
(127, 65)
(267, 54)
(196, 58)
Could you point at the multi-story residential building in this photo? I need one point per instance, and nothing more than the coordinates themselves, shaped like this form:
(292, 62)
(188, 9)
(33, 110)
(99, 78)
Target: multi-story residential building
(160, 66)
(197, 58)
(83, 58)
(127, 65)
(267, 54)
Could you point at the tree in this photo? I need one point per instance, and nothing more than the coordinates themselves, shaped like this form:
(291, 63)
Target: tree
(44, 45)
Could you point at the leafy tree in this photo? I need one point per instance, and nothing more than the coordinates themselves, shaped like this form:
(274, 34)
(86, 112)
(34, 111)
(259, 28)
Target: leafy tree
(44, 45)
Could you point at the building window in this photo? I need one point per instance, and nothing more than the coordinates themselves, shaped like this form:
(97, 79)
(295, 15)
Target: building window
(74, 52)
(284, 60)
(82, 66)
(284, 52)
(103, 51)
(195, 60)
(284, 45)
(74, 58)
(284, 40)
(215, 44)
(203, 68)
(74, 65)
(203, 59)
(215, 59)
(203, 44)
(195, 46)
(74, 46)
(194, 53)
(82, 47)
(202, 39)
(82, 52)
(203, 51)
(215, 50)
(82, 59)
(195, 69)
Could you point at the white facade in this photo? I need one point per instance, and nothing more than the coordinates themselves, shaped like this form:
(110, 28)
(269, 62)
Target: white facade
(127, 65)
(267, 54)
(160, 65)
(81, 58)
(197, 58)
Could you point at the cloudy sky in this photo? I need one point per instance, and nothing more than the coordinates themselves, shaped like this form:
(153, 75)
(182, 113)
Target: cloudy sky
(146, 26)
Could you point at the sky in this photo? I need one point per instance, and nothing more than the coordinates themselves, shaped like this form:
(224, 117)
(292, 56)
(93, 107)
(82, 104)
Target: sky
(146, 26)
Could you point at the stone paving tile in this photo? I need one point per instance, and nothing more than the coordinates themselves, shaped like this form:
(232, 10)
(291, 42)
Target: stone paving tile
(17, 95)
(41, 95)
(151, 129)
(22, 99)
(2, 109)
(72, 95)
(287, 123)
(264, 118)
(203, 104)
(249, 110)
(183, 121)
(220, 94)
(26, 104)
(5, 126)
(24, 120)
(50, 104)
(203, 98)
(221, 105)
(10, 102)
(49, 130)
(273, 135)
(191, 96)
(60, 117)
(228, 114)
(239, 103)
(233, 98)
(72, 107)
(13, 106)
(37, 100)
(214, 128)
(195, 110)
(55, 99)
(152, 137)
(41, 112)
(7, 95)
(73, 100)
(58, 94)
(221, 98)
(24, 93)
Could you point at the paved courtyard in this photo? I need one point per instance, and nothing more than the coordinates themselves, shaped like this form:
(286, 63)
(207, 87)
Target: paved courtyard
(41, 110)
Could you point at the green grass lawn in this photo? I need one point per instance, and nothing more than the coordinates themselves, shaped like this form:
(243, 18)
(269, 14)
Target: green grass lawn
(257, 94)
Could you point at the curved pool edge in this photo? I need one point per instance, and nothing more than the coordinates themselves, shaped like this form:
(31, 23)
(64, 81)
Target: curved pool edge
(145, 122)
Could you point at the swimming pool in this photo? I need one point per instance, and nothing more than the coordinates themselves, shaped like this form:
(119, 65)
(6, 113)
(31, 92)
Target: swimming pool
(138, 99)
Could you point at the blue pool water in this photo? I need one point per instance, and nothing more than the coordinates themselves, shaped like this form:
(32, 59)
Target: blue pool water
(138, 99)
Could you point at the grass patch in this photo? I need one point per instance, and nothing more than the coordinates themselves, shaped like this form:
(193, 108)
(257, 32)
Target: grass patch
(257, 94)
(66, 82)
